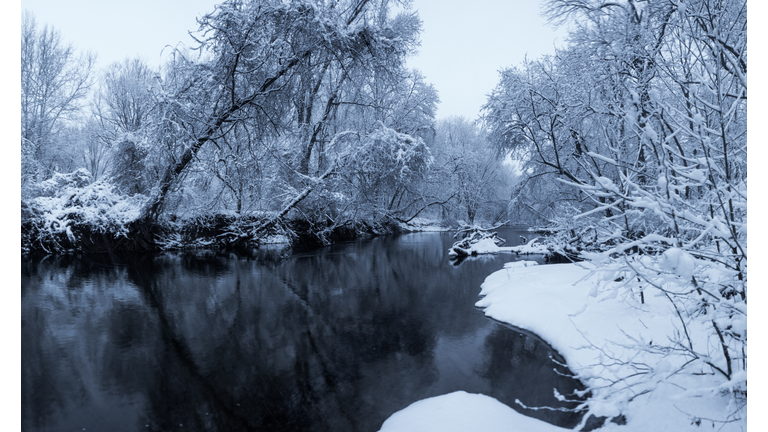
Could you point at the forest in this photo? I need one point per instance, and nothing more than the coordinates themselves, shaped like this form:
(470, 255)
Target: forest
(292, 118)
(301, 119)
(306, 111)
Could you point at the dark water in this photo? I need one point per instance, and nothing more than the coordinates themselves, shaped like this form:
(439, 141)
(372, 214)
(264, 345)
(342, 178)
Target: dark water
(335, 339)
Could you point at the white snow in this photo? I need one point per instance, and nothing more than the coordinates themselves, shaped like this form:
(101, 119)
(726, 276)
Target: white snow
(534, 246)
(598, 332)
(461, 412)
(487, 246)
(677, 261)
(421, 224)
(96, 204)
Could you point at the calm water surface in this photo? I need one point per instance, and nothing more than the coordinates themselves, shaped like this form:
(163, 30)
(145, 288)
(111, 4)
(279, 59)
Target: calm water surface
(334, 339)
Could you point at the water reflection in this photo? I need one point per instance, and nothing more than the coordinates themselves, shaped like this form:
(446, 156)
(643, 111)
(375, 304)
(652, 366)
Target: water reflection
(335, 339)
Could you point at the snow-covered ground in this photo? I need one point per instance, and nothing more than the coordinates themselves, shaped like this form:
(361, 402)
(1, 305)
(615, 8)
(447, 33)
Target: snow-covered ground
(487, 246)
(598, 333)
(461, 411)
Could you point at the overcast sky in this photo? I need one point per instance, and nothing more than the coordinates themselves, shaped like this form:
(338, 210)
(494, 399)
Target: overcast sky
(464, 43)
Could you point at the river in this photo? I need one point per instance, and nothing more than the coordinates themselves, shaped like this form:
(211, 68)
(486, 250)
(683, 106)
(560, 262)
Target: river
(330, 339)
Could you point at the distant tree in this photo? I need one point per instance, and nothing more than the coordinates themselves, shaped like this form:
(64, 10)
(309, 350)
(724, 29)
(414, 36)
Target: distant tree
(124, 99)
(54, 83)
(97, 157)
(122, 114)
(468, 167)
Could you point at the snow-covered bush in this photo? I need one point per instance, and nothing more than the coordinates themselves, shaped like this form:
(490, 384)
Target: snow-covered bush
(59, 182)
(75, 211)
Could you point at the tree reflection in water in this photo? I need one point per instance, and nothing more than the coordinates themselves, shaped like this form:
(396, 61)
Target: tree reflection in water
(333, 339)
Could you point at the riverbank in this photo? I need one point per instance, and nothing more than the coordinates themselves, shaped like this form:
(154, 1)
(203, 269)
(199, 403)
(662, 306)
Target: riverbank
(600, 335)
(45, 233)
(71, 214)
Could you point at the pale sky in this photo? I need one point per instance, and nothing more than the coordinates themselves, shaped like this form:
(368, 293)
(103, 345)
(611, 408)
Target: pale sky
(464, 43)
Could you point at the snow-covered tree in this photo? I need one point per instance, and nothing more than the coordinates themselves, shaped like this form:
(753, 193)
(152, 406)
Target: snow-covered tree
(543, 114)
(642, 120)
(122, 112)
(385, 168)
(470, 169)
(263, 60)
(54, 82)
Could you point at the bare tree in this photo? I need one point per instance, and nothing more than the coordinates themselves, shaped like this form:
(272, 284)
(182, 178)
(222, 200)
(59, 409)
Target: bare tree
(124, 100)
(122, 113)
(470, 168)
(54, 82)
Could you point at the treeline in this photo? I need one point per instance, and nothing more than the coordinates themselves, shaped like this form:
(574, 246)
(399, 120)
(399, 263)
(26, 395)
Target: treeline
(633, 139)
(298, 110)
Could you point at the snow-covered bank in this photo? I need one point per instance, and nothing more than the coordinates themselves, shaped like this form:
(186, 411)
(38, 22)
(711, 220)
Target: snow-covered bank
(461, 412)
(601, 337)
(94, 218)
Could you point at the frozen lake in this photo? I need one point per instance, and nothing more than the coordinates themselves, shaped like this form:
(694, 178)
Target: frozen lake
(332, 339)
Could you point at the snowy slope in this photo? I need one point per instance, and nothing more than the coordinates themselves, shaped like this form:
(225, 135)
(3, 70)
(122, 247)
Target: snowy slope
(599, 335)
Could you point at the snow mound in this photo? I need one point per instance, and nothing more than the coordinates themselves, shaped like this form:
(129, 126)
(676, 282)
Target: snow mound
(678, 262)
(485, 246)
(606, 337)
(461, 412)
(532, 247)
(481, 242)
